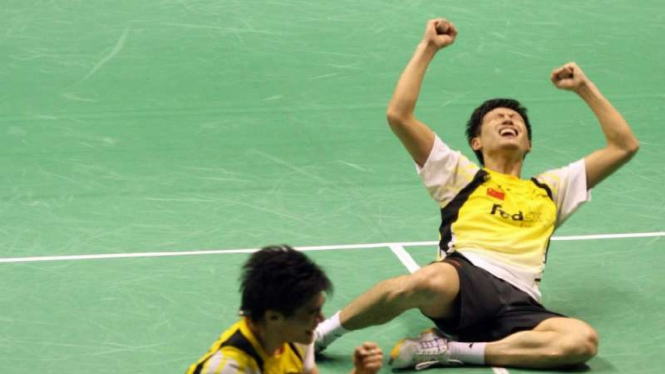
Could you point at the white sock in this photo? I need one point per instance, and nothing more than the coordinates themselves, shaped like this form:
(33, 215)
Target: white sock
(468, 353)
(331, 327)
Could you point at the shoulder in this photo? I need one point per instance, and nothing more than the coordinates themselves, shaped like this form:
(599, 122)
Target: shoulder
(227, 360)
(446, 172)
(555, 179)
(441, 153)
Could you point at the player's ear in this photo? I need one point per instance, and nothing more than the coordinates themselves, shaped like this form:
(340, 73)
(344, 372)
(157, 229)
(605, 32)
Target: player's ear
(476, 144)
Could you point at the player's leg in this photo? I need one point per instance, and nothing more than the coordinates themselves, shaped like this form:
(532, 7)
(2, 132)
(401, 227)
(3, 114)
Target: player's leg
(555, 342)
(432, 289)
(490, 311)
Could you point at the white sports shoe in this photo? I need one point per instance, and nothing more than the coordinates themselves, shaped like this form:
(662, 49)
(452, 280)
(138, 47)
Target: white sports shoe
(430, 348)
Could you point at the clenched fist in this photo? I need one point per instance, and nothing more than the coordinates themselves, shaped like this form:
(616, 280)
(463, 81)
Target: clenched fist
(367, 359)
(440, 33)
(569, 77)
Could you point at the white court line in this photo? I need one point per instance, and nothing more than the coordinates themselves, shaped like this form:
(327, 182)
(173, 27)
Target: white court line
(405, 257)
(412, 266)
(611, 236)
(7, 260)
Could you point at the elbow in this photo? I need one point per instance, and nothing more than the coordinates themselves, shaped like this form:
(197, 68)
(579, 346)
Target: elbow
(396, 118)
(633, 147)
(630, 148)
(393, 117)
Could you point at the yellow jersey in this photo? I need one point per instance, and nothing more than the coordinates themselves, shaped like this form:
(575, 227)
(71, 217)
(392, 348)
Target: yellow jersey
(237, 351)
(500, 222)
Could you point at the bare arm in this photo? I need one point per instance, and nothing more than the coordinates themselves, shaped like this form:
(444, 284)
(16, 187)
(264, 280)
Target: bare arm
(415, 135)
(621, 144)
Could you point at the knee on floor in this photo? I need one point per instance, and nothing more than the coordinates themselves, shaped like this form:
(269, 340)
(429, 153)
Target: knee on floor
(579, 347)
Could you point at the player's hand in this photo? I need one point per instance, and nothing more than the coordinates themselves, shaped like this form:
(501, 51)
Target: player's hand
(569, 77)
(439, 33)
(367, 359)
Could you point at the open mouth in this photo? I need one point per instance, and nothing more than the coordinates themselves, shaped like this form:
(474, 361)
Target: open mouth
(508, 132)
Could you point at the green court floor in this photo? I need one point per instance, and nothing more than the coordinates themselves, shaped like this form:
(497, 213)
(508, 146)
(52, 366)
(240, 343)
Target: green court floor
(172, 127)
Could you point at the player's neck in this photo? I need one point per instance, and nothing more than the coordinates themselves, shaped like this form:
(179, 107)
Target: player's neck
(504, 165)
(271, 341)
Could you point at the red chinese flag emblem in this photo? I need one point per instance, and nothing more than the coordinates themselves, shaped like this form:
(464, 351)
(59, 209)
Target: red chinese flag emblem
(496, 194)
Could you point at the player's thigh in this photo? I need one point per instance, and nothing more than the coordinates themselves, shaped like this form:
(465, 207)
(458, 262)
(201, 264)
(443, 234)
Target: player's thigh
(437, 285)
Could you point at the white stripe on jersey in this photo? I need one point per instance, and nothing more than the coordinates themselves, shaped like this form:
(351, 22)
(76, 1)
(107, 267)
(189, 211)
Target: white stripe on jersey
(220, 364)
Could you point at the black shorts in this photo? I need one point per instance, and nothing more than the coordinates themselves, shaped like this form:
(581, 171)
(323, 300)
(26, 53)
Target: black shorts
(488, 308)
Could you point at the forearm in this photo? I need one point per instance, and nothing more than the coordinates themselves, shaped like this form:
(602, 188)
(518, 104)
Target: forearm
(617, 131)
(406, 93)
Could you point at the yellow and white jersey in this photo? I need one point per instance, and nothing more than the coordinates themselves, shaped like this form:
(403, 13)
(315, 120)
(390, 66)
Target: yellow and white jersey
(501, 223)
(237, 351)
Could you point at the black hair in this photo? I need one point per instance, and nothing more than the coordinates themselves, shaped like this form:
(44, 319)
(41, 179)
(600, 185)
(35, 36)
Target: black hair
(279, 278)
(476, 120)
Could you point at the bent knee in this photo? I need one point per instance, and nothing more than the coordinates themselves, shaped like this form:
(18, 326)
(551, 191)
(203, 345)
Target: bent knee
(438, 279)
(436, 286)
(580, 347)
(590, 342)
